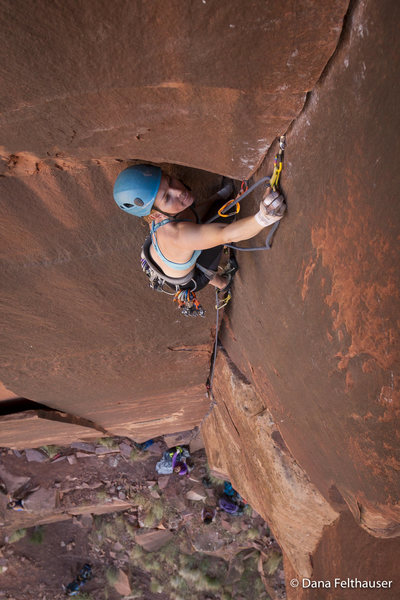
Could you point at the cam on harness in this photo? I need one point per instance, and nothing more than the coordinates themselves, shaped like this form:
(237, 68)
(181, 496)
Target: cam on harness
(174, 286)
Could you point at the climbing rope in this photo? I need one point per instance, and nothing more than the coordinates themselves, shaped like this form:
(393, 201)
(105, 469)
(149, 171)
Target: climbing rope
(273, 182)
(215, 349)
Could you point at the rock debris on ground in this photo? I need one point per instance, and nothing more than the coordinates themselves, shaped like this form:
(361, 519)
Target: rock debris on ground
(103, 504)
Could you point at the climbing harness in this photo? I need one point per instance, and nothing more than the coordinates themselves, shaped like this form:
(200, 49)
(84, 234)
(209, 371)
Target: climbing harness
(172, 286)
(186, 299)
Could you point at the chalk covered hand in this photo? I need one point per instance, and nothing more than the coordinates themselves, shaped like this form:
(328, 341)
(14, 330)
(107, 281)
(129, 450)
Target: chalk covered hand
(272, 208)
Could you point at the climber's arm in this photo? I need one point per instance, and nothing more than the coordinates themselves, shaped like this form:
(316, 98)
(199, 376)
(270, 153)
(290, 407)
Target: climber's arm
(190, 236)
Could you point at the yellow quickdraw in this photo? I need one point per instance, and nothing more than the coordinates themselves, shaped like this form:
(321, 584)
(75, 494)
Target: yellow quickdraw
(273, 182)
(224, 301)
(278, 163)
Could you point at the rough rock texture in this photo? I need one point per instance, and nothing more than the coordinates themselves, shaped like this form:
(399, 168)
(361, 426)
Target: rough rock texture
(207, 84)
(35, 428)
(243, 441)
(314, 323)
(322, 345)
(82, 332)
(122, 583)
(153, 540)
(31, 519)
(129, 541)
(322, 540)
(82, 93)
(348, 552)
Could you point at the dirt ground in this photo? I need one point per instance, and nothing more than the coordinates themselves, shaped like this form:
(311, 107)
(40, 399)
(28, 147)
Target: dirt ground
(226, 560)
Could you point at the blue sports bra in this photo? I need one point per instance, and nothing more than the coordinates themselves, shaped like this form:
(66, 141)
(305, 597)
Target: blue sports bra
(178, 266)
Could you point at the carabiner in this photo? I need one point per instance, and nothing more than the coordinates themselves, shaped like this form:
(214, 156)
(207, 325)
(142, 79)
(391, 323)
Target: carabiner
(237, 205)
(224, 301)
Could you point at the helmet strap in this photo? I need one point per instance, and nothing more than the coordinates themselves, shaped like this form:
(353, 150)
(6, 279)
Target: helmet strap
(164, 213)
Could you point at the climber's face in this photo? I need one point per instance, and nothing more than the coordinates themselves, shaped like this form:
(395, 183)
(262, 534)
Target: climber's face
(173, 196)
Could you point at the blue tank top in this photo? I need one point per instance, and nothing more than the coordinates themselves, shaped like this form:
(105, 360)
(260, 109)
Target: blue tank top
(178, 266)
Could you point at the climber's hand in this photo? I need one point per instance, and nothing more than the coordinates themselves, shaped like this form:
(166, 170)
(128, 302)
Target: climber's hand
(272, 208)
(274, 203)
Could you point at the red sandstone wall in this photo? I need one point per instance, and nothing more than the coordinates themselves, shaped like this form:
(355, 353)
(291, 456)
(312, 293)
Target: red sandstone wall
(86, 84)
(322, 344)
(82, 330)
(208, 84)
(314, 323)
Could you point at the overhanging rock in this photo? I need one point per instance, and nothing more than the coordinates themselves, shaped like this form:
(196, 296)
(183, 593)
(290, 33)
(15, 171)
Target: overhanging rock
(83, 332)
(38, 428)
(206, 84)
(87, 88)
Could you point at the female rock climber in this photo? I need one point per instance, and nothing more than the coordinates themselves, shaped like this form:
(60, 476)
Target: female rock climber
(180, 250)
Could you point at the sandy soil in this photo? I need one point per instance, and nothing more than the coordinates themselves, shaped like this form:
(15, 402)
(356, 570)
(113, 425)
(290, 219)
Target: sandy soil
(216, 561)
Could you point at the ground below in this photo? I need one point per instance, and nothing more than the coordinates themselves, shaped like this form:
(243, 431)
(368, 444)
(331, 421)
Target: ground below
(142, 533)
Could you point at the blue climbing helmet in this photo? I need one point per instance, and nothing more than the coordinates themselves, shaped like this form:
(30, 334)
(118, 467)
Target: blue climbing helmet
(136, 188)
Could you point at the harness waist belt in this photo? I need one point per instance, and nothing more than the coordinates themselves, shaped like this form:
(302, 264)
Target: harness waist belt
(174, 280)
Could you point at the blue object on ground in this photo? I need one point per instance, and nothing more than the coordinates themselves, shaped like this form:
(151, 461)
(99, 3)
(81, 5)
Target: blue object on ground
(84, 575)
(228, 489)
(145, 445)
